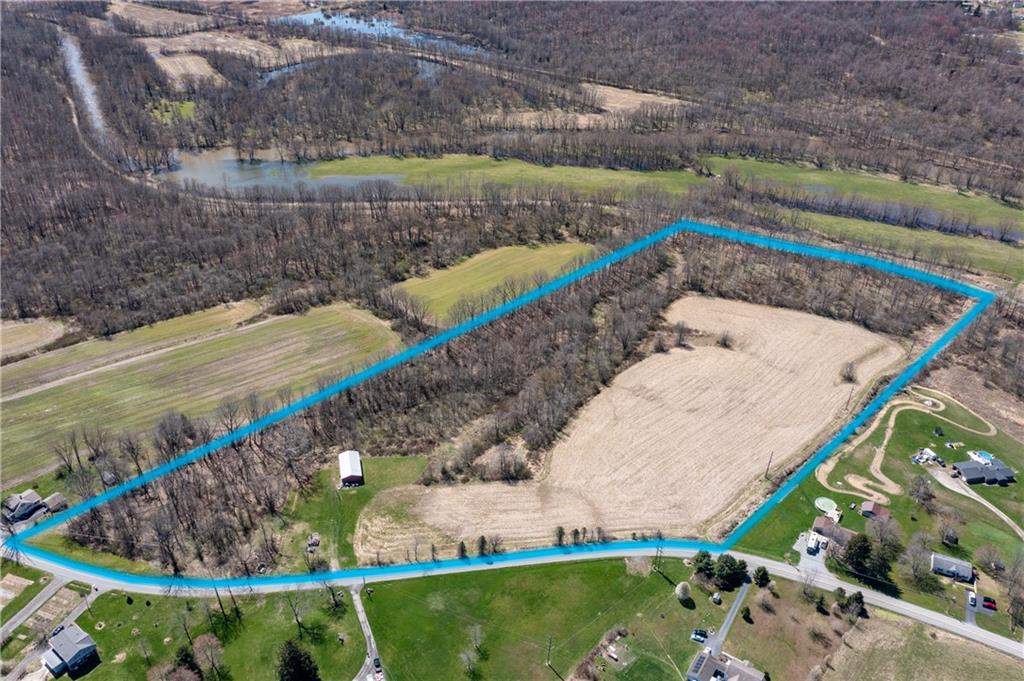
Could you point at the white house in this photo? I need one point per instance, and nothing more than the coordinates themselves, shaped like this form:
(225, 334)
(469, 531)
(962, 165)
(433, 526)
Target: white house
(350, 469)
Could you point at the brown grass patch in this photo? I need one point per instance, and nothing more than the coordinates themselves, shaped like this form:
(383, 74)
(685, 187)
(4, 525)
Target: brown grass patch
(678, 439)
(180, 68)
(264, 54)
(21, 336)
(622, 100)
(157, 20)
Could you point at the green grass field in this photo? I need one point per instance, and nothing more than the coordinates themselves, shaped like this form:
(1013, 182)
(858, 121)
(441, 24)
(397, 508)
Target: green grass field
(56, 542)
(485, 271)
(137, 627)
(333, 512)
(423, 625)
(983, 254)
(166, 110)
(774, 536)
(984, 210)
(288, 353)
(475, 170)
(39, 580)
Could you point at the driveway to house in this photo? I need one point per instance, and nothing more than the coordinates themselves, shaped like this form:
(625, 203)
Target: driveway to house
(961, 487)
(366, 672)
(716, 641)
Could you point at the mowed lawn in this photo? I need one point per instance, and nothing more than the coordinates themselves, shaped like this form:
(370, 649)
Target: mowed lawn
(983, 254)
(287, 352)
(422, 626)
(333, 512)
(17, 336)
(128, 628)
(485, 271)
(476, 170)
(984, 210)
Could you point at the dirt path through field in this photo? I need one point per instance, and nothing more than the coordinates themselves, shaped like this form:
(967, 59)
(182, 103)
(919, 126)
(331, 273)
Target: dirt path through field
(877, 490)
(674, 442)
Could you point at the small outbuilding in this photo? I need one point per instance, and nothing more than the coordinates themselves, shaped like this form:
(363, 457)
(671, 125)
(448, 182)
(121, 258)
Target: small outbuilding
(22, 506)
(948, 566)
(872, 509)
(71, 650)
(55, 502)
(350, 469)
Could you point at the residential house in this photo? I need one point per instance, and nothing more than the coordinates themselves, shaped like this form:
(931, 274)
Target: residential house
(71, 650)
(723, 667)
(22, 506)
(995, 472)
(952, 567)
(828, 528)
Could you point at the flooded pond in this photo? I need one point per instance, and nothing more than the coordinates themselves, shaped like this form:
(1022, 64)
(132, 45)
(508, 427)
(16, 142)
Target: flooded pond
(380, 28)
(221, 168)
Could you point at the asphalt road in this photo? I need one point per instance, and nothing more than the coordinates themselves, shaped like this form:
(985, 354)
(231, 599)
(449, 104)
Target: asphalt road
(821, 578)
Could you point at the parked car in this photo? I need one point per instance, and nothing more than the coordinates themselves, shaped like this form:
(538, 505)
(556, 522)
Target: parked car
(376, 664)
(699, 635)
(60, 628)
(972, 598)
(988, 603)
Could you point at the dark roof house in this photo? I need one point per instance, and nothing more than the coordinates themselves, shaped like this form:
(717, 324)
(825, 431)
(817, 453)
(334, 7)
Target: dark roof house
(952, 567)
(71, 650)
(994, 473)
(722, 667)
(22, 506)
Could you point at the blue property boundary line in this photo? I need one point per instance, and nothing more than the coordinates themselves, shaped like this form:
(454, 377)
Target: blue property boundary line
(984, 298)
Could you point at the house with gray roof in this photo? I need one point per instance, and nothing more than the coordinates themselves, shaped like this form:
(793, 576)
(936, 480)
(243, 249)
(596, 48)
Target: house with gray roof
(722, 667)
(22, 506)
(952, 567)
(71, 650)
(974, 472)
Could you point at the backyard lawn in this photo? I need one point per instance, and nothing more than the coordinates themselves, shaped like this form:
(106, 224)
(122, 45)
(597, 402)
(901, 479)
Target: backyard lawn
(135, 633)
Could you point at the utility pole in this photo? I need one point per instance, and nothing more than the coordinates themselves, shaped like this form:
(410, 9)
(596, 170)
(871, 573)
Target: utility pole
(551, 642)
(657, 558)
(768, 467)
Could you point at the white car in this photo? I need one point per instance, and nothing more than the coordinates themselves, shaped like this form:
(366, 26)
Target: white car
(972, 598)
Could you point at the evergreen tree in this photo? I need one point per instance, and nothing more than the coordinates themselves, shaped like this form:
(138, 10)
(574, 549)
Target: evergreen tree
(296, 664)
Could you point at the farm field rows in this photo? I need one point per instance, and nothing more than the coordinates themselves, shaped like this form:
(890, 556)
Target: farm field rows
(637, 457)
(485, 271)
(25, 592)
(280, 353)
(423, 625)
(983, 209)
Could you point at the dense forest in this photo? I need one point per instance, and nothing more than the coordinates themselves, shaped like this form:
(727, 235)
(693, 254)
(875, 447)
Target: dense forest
(859, 67)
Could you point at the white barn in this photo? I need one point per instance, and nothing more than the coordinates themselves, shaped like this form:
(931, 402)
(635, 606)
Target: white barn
(350, 469)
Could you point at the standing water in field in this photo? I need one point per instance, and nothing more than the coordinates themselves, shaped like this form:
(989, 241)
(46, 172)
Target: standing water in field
(379, 28)
(85, 88)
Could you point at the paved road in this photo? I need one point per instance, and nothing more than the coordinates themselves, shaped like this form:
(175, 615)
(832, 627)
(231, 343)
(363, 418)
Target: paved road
(822, 579)
(715, 642)
(18, 618)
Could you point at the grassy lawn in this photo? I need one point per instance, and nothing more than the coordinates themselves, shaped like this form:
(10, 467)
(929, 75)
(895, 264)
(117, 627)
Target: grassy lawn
(459, 168)
(39, 580)
(983, 209)
(56, 542)
(774, 537)
(983, 254)
(21, 638)
(485, 271)
(135, 627)
(166, 110)
(423, 625)
(333, 512)
(288, 352)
